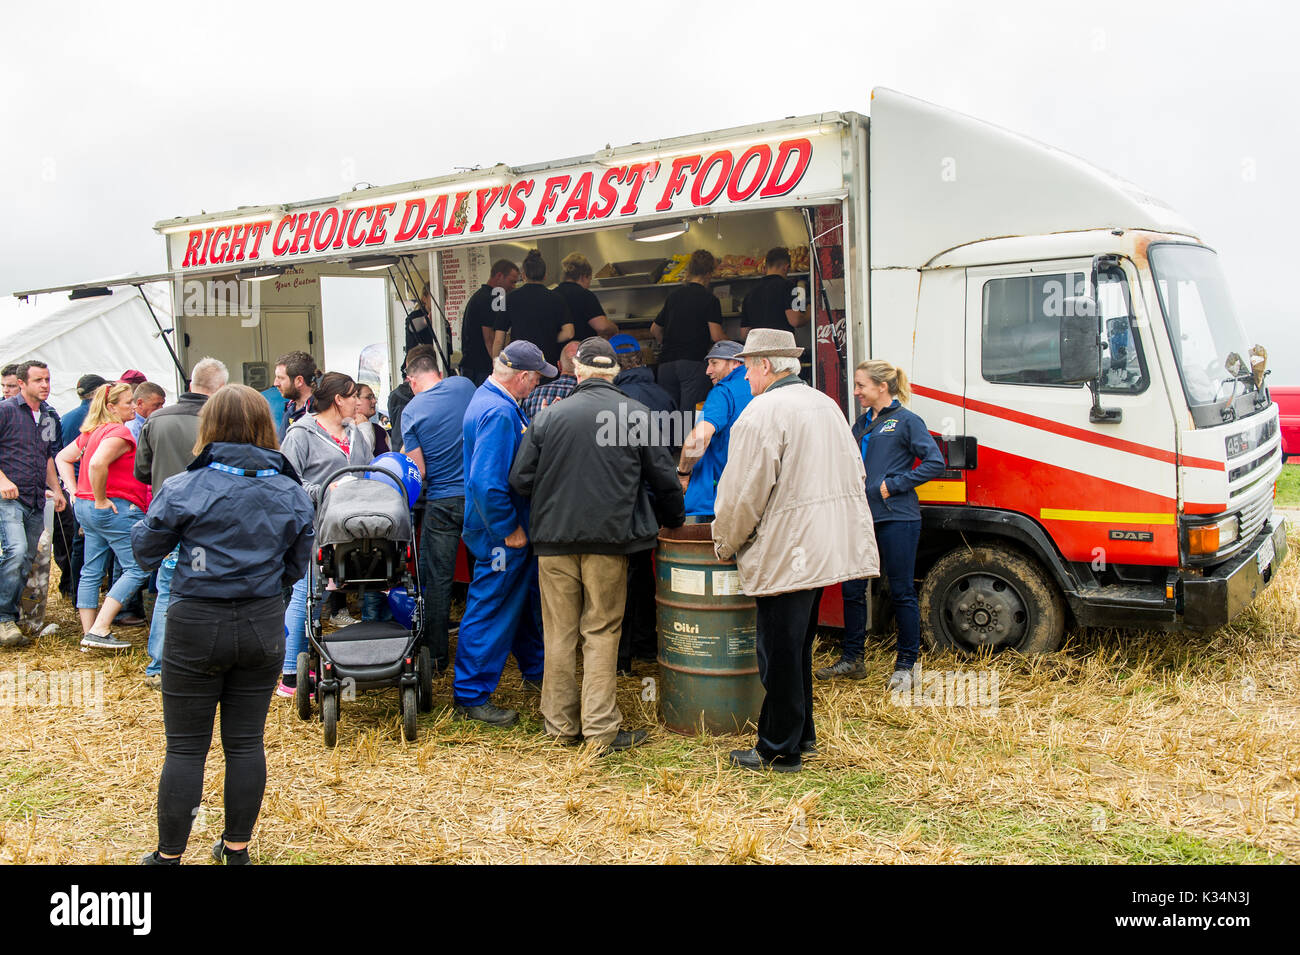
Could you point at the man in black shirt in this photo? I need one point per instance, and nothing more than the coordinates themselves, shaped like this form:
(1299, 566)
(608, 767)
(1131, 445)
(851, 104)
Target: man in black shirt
(585, 309)
(775, 302)
(478, 321)
(686, 328)
(534, 313)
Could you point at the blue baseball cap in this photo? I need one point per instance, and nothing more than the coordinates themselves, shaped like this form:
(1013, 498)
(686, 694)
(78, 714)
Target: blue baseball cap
(625, 344)
(525, 356)
(725, 351)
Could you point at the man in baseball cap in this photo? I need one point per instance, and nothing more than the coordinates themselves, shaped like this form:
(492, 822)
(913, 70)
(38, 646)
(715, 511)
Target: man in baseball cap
(525, 356)
(705, 453)
(503, 610)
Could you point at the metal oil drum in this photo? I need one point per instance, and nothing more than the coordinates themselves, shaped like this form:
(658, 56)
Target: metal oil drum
(708, 668)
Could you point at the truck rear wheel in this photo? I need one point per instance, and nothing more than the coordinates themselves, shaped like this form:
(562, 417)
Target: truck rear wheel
(991, 597)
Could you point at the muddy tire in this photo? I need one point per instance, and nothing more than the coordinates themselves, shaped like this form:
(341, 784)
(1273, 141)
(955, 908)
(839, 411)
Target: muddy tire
(990, 597)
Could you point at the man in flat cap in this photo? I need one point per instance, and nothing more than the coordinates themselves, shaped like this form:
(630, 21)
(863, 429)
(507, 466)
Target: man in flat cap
(583, 539)
(792, 511)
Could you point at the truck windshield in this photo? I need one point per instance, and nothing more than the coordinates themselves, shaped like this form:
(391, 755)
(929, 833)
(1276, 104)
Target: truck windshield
(1212, 349)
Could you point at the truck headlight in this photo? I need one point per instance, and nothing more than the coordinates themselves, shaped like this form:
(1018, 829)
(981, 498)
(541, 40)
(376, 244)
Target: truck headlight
(1208, 539)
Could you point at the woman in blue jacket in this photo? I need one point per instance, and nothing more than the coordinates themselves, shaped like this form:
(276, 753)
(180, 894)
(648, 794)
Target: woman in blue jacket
(891, 439)
(244, 526)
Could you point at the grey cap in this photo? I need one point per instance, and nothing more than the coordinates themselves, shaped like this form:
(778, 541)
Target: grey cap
(724, 350)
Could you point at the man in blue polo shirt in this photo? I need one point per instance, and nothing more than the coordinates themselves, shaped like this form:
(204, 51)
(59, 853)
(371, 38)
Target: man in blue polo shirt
(705, 453)
(433, 437)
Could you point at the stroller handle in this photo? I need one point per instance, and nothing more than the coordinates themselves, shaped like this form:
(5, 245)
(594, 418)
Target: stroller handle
(363, 469)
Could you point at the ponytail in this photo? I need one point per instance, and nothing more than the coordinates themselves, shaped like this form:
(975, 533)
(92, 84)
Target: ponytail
(892, 377)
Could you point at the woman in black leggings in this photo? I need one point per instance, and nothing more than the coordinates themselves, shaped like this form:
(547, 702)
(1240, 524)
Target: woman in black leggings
(244, 526)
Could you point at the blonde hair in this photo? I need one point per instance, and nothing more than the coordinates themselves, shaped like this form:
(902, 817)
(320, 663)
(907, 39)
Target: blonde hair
(101, 406)
(575, 266)
(892, 377)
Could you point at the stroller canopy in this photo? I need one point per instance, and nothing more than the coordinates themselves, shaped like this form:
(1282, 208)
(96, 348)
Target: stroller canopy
(355, 510)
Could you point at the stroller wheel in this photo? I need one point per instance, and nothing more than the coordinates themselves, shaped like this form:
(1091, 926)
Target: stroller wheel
(302, 693)
(329, 713)
(410, 710)
(424, 670)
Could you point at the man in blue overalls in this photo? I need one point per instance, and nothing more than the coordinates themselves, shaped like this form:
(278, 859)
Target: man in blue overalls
(503, 612)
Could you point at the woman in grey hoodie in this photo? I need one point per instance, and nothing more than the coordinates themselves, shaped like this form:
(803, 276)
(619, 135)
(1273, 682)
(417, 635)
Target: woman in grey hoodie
(317, 445)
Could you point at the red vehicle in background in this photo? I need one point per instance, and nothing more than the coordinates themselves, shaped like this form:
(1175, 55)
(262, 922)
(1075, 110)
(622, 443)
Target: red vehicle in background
(1288, 409)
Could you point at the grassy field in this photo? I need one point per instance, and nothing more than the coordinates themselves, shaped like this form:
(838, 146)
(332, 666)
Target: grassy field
(1288, 486)
(1123, 747)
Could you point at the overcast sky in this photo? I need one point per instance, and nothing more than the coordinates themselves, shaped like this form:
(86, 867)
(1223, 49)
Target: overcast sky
(118, 115)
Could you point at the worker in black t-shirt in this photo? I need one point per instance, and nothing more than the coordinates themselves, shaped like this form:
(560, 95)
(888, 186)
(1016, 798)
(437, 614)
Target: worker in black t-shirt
(478, 320)
(534, 313)
(775, 302)
(584, 308)
(686, 328)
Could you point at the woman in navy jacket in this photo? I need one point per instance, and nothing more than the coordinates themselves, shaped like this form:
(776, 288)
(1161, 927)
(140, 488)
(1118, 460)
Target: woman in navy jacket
(244, 526)
(891, 438)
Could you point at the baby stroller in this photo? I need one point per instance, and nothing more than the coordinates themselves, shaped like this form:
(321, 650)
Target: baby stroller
(365, 541)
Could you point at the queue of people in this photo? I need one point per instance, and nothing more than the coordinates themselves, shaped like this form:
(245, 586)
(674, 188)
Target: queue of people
(217, 495)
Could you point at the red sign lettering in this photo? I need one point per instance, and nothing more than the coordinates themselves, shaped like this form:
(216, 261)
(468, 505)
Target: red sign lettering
(639, 173)
(738, 193)
(803, 156)
(484, 200)
(412, 219)
(608, 195)
(549, 197)
(192, 248)
(578, 200)
(698, 196)
(377, 231)
(518, 193)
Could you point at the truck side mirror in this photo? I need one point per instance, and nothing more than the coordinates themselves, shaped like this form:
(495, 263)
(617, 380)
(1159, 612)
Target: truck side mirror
(1080, 343)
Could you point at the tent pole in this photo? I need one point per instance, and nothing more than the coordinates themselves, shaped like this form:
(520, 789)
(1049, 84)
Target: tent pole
(163, 335)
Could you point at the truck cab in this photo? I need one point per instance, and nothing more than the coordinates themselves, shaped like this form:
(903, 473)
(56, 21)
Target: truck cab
(1112, 447)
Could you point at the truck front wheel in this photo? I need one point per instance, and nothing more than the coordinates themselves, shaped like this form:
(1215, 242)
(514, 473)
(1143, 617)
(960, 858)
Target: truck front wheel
(991, 597)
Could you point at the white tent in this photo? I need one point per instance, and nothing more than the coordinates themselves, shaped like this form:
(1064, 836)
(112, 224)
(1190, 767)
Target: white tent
(105, 335)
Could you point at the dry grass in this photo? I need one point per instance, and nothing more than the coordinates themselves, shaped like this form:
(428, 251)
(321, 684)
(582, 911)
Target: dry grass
(1123, 747)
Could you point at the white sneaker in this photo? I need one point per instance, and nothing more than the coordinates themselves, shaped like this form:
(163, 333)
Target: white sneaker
(342, 619)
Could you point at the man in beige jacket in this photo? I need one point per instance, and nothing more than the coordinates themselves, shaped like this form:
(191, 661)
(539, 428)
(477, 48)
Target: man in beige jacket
(791, 508)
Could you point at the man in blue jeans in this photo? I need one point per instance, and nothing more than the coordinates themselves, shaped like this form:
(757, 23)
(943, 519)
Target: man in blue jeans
(433, 437)
(29, 440)
(166, 448)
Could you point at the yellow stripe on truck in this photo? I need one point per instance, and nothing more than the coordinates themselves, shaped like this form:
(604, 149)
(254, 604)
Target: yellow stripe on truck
(942, 492)
(1104, 517)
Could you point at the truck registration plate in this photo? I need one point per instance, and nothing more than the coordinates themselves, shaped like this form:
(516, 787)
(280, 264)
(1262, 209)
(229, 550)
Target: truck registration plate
(1265, 555)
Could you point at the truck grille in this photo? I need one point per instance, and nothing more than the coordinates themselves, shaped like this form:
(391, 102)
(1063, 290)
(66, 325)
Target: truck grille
(1252, 518)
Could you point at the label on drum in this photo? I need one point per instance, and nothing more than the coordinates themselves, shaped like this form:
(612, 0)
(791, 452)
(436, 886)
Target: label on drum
(726, 583)
(688, 581)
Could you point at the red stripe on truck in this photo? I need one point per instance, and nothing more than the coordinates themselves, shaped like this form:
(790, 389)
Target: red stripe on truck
(1066, 430)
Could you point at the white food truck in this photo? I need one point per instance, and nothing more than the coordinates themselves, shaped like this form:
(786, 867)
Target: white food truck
(1112, 450)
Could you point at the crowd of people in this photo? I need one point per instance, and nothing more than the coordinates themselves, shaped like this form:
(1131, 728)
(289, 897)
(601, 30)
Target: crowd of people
(210, 501)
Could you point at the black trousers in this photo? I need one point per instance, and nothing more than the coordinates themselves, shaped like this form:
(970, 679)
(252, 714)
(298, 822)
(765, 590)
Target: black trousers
(227, 653)
(787, 624)
(640, 637)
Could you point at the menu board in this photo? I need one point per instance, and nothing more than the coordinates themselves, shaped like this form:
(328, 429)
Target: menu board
(463, 271)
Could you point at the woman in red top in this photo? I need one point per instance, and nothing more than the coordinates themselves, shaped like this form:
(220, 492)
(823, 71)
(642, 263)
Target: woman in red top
(108, 503)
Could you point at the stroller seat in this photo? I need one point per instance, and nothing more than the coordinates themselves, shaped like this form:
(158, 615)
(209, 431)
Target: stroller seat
(368, 644)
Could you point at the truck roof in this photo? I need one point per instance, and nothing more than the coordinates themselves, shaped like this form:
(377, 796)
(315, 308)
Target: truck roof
(940, 180)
